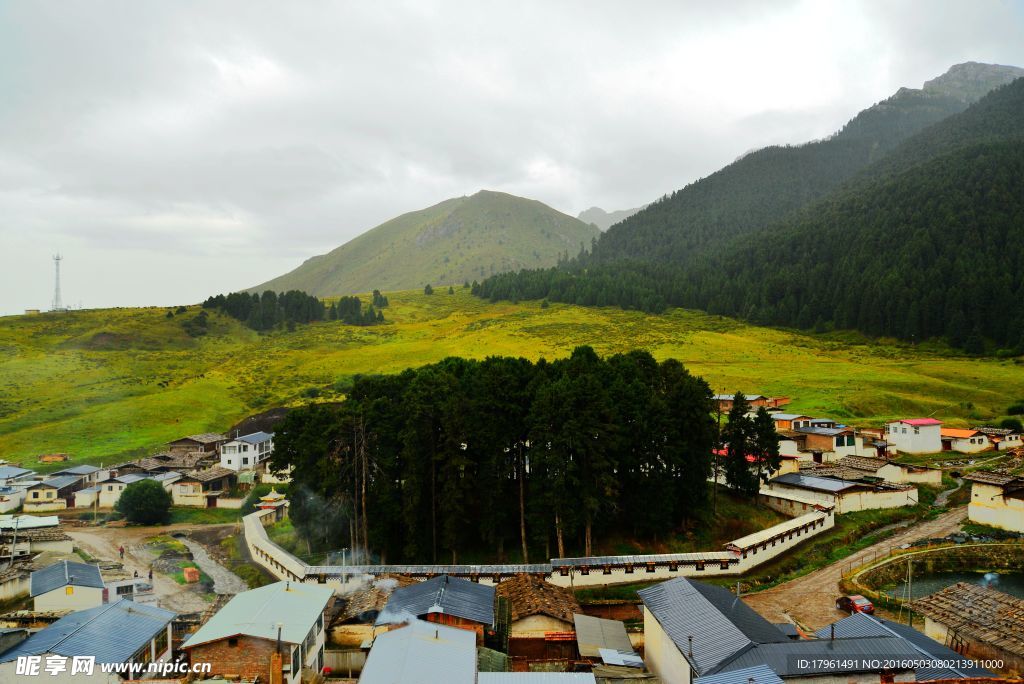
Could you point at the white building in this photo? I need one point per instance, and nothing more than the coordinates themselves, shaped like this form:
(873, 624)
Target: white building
(964, 441)
(997, 500)
(915, 435)
(66, 585)
(247, 452)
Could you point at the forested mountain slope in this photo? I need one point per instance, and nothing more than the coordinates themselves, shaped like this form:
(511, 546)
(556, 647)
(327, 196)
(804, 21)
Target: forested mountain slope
(764, 186)
(460, 239)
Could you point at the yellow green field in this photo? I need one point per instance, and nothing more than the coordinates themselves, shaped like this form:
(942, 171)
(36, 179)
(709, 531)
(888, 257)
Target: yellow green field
(103, 385)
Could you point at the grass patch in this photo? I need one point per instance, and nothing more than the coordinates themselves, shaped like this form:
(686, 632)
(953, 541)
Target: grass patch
(250, 573)
(204, 516)
(118, 383)
(164, 542)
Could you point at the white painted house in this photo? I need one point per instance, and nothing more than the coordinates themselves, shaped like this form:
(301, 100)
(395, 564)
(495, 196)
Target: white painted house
(247, 452)
(915, 435)
(66, 585)
(964, 441)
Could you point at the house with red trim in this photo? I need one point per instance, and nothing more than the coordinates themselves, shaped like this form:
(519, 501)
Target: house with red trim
(914, 435)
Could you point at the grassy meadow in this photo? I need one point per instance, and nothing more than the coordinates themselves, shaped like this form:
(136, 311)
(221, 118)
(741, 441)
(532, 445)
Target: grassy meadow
(110, 384)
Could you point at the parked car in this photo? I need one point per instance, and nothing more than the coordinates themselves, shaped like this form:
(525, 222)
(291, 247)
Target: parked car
(855, 604)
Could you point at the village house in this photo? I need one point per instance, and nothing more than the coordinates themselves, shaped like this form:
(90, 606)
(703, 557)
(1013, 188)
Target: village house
(66, 585)
(10, 474)
(858, 467)
(115, 634)
(205, 443)
(914, 435)
(445, 600)
(110, 490)
(52, 494)
(354, 625)
(756, 401)
(1003, 439)
(90, 475)
(132, 588)
(964, 441)
(247, 452)
(977, 622)
(88, 497)
(845, 495)
(243, 637)
(202, 488)
(31, 541)
(790, 421)
(422, 653)
(694, 630)
(537, 606)
(997, 500)
(11, 498)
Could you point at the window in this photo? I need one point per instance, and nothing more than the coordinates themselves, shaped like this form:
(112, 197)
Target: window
(35, 495)
(110, 488)
(917, 430)
(69, 590)
(245, 460)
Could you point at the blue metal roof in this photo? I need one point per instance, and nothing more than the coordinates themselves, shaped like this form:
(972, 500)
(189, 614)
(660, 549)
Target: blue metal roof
(8, 471)
(806, 658)
(758, 674)
(861, 625)
(64, 573)
(78, 470)
(444, 594)
(113, 633)
(256, 438)
(421, 652)
(59, 482)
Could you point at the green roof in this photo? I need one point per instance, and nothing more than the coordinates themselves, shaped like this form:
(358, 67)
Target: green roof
(257, 613)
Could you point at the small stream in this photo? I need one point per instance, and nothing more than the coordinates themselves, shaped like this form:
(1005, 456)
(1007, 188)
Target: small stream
(224, 581)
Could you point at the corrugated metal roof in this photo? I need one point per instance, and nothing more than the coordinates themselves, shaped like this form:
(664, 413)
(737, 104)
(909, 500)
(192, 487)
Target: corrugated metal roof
(825, 431)
(820, 654)
(256, 438)
(422, 653)
(536, 678)
(657, 558)
(59, 482)
(444, 594)
(819, 484)
(610, 656)
(593, 634)
(78, 470)
(758, 674)
(861, 625)
(112, 633)
(64, 573)
(776, 531)
(430, 570)
(685, 609)
(788, 416)
(7, 472)
(257, 613)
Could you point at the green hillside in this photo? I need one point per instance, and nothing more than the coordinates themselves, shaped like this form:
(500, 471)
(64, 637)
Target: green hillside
(766, 185)
(466, 238)
(104, 385)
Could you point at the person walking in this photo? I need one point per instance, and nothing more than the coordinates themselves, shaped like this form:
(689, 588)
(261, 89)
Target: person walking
(150, 573)
(120, 550)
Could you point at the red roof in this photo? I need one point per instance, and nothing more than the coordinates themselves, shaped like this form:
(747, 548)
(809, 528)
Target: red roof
(751, 458)
(919, 421)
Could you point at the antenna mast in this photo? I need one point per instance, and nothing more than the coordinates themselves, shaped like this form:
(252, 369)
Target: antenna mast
(58, 305)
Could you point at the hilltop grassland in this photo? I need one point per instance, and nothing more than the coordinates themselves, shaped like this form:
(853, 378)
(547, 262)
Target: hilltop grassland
(110, 384)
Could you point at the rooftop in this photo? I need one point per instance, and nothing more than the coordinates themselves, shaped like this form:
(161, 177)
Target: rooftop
(593, 634)
(444, 594)
(978, 612)
(529, 595)
(78, 470)
(255, 438)
(58, 482)
(789, 416)
(257, 612)
(957, 433)
(64, 573)
(204, 438)
(421, 653)
(919, 422)
(8, 472)
(210, 474)
(818, 484)
(365, 604)
(113, 633)
(758, 674)
(990, 477)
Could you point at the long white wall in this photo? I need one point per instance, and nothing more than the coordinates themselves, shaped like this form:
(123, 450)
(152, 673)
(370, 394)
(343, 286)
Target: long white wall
(740, 556)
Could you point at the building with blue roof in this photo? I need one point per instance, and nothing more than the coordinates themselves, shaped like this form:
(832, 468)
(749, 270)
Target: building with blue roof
(66, 585)
(115, 633)
(248, 452)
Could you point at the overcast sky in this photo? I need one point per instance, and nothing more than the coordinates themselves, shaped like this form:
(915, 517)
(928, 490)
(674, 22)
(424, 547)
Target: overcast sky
(172, 150)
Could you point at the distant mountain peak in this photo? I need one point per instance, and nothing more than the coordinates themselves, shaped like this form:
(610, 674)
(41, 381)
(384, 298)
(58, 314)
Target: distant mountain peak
(606, 219)
(971, 81)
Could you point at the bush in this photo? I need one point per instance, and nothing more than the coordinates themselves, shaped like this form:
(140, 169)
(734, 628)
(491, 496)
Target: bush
(1012, 424)
(145, 502)
(1016, 410)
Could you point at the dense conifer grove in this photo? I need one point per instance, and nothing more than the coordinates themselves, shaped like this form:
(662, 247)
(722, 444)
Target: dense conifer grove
(465, 457)
(272, 310)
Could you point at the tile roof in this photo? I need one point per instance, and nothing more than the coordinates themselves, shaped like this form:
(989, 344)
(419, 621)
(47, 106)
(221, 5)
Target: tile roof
(204, 438)
(528, 595)
(957, 433)
(989, 477)
(448, 595)
(257, 612)
(863, 463)
(363, 605)
(113, 633)
(721, 625)
(593, 634)
(421, 653)
(64, 573)
(210, 474)
(978, 612)
(861, 625)
(758, 674)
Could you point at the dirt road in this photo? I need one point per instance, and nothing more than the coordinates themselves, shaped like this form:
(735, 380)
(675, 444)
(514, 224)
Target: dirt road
(103, 542)
(810, 600)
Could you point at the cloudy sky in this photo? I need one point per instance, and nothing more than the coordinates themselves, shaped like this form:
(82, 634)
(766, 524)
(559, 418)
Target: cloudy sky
(174, 149)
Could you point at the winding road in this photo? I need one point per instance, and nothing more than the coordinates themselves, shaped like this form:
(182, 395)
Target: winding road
(810, 601)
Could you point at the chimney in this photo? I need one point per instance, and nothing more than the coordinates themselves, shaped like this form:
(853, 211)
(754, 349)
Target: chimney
(832, 637)
(690, 639)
